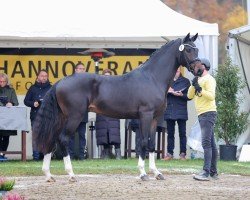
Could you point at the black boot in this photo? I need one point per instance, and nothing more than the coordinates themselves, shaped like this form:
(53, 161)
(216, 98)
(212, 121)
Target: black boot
(105, 154)
(118, 155)
(111, 155)
(36, 155)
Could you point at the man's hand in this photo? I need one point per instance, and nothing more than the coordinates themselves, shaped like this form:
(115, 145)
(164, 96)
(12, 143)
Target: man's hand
(170, 90)
(195, 81)
(196, 85)
(198, 88)
(178, 93)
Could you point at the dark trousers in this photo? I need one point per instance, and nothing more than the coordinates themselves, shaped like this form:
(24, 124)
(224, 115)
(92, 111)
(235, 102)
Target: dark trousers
(35, 153)
(207, 121)
(107, 146)
(4, 142)
(182, 134)
(82, 141)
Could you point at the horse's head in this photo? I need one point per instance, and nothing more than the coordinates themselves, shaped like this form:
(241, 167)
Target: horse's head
(188, 52)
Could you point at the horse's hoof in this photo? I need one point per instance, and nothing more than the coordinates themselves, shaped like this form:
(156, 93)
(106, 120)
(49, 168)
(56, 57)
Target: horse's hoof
(51, 179)
(145, 177)
(160, 177)
(72, 179)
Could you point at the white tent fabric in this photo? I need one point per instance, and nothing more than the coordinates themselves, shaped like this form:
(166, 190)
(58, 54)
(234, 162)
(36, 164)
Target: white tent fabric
(97, 18)
(99, 23)
(239, 52)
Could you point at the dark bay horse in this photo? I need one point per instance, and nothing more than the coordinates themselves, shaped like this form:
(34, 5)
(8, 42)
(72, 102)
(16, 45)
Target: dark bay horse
(140, 93)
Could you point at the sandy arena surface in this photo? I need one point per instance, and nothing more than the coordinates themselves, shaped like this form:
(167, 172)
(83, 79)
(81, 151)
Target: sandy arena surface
(128, 187)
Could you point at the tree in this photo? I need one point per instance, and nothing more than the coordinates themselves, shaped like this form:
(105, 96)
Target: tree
(236, 18)
(227, 13)
(231, 121)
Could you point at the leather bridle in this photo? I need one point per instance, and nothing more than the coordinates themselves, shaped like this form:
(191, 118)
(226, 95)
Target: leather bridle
(187, 61)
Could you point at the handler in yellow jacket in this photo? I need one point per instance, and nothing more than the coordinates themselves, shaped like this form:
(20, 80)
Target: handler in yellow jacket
(202, 91)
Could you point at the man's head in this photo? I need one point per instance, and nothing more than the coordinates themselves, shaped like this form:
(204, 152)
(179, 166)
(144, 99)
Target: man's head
(80, 68)
(201, 65)
(42, 76)
(106, 72)
(206, 63)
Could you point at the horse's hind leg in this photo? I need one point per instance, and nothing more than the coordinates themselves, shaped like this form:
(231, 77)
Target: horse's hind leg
(46, 168)
(145, 125)
(69, 129)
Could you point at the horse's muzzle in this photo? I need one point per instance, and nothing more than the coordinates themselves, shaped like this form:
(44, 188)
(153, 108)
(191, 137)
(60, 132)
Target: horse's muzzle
(193, 64)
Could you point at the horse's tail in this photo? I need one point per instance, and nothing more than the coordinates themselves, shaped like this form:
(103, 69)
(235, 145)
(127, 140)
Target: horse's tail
(48, 123)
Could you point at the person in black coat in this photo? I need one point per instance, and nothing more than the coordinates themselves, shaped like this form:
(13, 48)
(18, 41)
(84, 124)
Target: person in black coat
(8, 98)
(81, 130)
(34, 99)
(176, 111)
(108, 132)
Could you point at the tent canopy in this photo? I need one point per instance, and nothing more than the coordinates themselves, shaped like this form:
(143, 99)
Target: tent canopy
(63, 23)
(242, 34)
(100, 24)
(239, 51)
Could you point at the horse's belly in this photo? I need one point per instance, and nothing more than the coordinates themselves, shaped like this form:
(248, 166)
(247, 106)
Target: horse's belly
(114, 109)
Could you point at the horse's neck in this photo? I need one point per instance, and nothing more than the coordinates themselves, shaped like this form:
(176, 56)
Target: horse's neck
(163, 68)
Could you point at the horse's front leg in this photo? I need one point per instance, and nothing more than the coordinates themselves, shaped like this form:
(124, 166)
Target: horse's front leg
(141, 166)
(46, 168)
(152, 167)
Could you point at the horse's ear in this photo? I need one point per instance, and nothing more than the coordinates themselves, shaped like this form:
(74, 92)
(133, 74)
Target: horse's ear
(194, 37)
(187, 38)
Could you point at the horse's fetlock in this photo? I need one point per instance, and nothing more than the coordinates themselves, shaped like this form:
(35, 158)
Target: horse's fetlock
(68, 170)
(140, 166)
(152, 169)
(45, 170)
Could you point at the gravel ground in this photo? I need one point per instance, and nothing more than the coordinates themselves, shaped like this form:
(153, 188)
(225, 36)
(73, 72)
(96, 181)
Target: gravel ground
(128, 187)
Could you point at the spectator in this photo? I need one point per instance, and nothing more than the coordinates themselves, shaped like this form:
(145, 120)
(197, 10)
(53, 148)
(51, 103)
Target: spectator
(8, 98)
(177, 112)
(34, 99)
(203, 91)
(81, 130)
(108, 132)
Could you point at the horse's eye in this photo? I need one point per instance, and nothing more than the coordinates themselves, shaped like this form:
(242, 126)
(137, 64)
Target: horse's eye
(188, 50)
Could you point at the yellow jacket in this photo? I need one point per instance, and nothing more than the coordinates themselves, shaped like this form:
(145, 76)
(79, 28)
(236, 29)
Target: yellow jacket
(205, 102)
